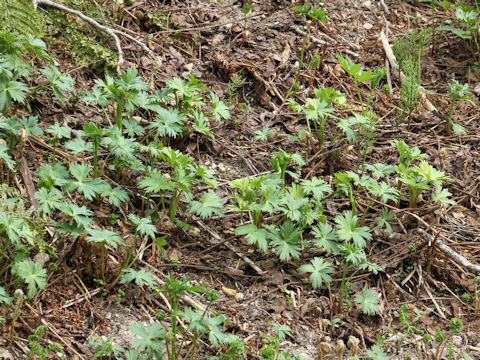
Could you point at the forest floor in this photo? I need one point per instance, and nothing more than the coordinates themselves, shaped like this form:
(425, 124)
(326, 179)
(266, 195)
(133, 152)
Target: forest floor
(207, 39)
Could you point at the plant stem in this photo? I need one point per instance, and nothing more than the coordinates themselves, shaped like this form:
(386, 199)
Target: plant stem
(358, 93)
(95, 158)
(174, 203)
(352, 200)
(130, 251)
(449, 125)
(342, 289)
(360, 223)
(102, 261)
(310, 136)
(304, 44)
(119, 113)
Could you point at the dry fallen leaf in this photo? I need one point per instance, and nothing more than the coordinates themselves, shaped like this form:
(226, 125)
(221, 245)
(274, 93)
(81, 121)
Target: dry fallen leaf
(229, 292)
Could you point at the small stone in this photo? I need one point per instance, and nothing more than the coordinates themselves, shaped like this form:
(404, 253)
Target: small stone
(367, 26)
(457, 340)
(239, 296)
(41, 258)
(367, 4)
(188, 66)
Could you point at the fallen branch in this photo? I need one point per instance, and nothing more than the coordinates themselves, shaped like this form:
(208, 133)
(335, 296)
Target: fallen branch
(439, 244)
(395, 70)
(450, 253)
(112, 32)
(315, 40)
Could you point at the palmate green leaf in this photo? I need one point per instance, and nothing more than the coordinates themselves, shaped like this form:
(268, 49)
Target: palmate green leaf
(12, 228)
(294, 208)
(354, 69)
(140, 277)
(73, 229)
(254, 235)
(89, 188)
(347, 125)
(368, 301)
(133, 128)
(411, 177)
(430, 173)
(302, 9)
(208, 205)
(352, 254)
(79, 146)
(325, 237)
(79, 214)
(271, 198)
(377, 353)
(407, 153)
(175, 158)
(319, 270)
(384, 192)
(4, 297)
(219, 108)
(383, 220)
(200, 123)
(362, 180)
(154, 149)
(143, 225)
(30, 124)
(11, 91)
(129, 80)
(316, 187)
(48, 199)
(120, 146)
(6, 158)
(372, 267)
(459, 92)
(380, 170)
(285, 239)
(181, 87)
(442, 196)
(115, 195)
(207, 176)
(459, 129)
(148, 338)
(195, 320)
(97, 95)
(184, 179)
(33, 274)
(58, 81)
(104, 236)
(282, 330)
(263, 134)
(348, 230)
(318, 14)
(315, 109)
(59, 132)
(215, 335)
(156, 182)
(168, 122)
